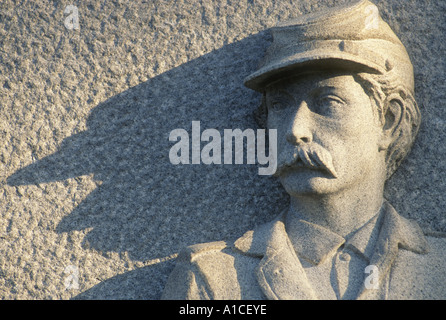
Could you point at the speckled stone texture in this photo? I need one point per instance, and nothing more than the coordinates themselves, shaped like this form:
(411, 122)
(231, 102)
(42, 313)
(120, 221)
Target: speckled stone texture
(85, 177)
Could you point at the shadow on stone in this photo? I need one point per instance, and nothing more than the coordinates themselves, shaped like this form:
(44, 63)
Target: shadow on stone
(145, 283)
(145, 205)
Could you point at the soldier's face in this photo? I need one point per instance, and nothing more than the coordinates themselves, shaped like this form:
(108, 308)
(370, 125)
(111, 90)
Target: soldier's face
(327, 133)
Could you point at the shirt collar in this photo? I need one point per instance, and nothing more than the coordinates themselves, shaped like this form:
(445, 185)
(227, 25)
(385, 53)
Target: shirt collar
(316, 244)
(313, 242)
(363, 241)
(385, 228)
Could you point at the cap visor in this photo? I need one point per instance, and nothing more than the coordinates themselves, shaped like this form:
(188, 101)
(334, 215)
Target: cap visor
(294, 65)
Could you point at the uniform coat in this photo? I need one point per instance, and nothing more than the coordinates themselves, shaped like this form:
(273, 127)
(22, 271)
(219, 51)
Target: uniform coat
(263, 264)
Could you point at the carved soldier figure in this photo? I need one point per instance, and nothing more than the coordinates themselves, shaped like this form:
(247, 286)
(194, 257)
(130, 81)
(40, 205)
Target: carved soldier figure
(338, 86)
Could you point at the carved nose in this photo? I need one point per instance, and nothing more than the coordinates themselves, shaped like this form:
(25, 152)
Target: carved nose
(299, 130)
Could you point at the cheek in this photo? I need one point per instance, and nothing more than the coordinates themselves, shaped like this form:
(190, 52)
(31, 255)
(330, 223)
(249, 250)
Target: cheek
(352, 143)
(355, 127)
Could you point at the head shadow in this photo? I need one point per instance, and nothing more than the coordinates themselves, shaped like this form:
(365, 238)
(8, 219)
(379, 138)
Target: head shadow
(145, 205)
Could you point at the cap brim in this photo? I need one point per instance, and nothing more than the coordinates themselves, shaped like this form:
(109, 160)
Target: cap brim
(309, 60)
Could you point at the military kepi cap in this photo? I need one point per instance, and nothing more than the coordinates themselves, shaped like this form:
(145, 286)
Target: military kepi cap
(352, 37)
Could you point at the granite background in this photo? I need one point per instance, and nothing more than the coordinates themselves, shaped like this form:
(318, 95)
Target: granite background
(85, 177)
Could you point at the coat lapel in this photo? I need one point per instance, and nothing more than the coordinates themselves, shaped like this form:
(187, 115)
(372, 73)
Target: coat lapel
(280, 273)
(396, 232)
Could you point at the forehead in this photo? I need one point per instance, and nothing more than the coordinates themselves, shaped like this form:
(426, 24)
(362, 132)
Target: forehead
(306, 82)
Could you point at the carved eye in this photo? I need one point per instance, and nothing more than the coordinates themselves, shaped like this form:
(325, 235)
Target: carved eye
(278, 103)
(329, 104)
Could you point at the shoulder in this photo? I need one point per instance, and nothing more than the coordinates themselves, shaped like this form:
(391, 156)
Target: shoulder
(201, 250)
(186, 281)
(212, 257)
(436, 249)
(436, 252)
(437, 243)
(217, 259)
(209, 271)
(421, 276)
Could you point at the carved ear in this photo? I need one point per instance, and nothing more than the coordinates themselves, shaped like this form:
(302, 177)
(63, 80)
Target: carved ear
(392, 118)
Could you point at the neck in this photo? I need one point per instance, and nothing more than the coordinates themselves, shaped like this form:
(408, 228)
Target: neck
(343, 212)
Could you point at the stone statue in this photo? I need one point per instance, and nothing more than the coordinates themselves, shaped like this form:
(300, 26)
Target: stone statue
(338, 86)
